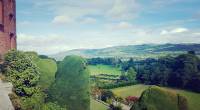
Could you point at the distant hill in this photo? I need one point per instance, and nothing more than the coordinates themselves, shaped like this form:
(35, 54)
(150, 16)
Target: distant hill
(136, 51)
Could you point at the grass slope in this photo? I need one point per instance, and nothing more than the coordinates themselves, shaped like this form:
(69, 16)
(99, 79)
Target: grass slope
(104, 69)
(192, 98)
(136, 90)
(47, 68)
(94, 105)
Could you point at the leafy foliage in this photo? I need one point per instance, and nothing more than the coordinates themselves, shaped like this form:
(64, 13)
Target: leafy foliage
(104, 61)
(131, 74)
(20, 69)
(182, 71)
(156, 98)
(22, 72)
(71, 86)
(52, 106)
(47, 69)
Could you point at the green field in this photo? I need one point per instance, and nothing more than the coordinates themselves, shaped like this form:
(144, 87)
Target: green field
(193, 98)
(136, 90)
(104, 69)
(94, 105)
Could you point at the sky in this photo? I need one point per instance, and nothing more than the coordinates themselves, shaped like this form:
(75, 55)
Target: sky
(52, 26)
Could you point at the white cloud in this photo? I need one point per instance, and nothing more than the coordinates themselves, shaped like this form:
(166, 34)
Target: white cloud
(54, 43)
(164, 32)
(174, 31)
(120, 26)
(112, 20)
(124, 25)
(180, 35)
(179, 30)
(196, 33)
(42, 44)
(62, 20)
(109, 9)
(89, 20)
(124, 9)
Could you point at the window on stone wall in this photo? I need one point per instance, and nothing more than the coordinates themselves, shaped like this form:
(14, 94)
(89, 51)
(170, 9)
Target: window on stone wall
(12, 34)
(1, 28)
(1, 16)
(1, 12)
(11, 16)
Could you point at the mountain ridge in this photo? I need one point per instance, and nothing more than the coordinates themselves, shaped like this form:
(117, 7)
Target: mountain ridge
(143, 51)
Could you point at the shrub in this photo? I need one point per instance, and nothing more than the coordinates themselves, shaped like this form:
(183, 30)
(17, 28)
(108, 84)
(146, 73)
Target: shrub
(52, 106)
(23, 73)
(71, 86)
(156, 98)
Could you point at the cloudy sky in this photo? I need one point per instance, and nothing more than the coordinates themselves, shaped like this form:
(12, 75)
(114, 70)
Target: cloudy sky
(51, 26)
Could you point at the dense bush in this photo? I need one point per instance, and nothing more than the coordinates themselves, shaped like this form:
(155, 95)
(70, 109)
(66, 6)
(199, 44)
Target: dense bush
(156, 98)
(52, 106)
(20, 69)
(22, 72)
(71, 86)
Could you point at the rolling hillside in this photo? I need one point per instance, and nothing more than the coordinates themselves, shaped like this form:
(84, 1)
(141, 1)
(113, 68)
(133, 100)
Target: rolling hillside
(137, 51)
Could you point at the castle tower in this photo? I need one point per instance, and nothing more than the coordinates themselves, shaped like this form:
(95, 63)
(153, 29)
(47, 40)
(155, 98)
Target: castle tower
(7, 26)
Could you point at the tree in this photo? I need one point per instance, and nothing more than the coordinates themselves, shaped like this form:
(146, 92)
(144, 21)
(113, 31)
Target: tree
(184, 68)
(71, 86)
(182, 71)
(131, 74)
(106, 94)
(192, 52)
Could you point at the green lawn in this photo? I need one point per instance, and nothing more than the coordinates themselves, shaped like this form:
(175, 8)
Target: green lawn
(104, 69)
(94, 105)
(136, 90)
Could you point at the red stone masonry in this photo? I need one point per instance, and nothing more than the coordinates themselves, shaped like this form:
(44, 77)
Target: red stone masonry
(7, 26)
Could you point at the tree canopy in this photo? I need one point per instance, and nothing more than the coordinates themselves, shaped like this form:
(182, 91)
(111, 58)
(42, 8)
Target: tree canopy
(71, 86)
(182, 71)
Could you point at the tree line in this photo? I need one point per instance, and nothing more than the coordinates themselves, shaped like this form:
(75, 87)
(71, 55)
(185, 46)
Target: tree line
(182, 71)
